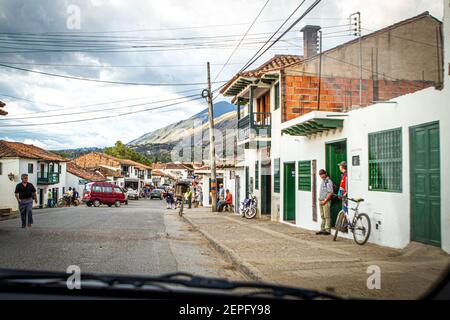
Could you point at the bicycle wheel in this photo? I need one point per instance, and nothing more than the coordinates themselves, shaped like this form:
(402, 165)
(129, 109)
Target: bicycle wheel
(339, 221)
(362, 228)
(61, 203)
(250, 213)
(181, 209)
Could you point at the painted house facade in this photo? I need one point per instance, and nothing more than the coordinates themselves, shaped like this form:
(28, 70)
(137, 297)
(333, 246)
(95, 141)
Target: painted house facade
(122, 172)
(46, 171)
(77, 177)
(391, 138)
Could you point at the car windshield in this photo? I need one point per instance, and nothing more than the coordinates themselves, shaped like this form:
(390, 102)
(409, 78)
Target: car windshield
(299, 143)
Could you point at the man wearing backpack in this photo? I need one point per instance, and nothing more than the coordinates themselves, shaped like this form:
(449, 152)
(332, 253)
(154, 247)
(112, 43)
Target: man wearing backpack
(325, 198)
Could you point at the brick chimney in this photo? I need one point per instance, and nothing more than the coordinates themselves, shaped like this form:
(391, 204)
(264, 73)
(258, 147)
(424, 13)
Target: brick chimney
(310, 40)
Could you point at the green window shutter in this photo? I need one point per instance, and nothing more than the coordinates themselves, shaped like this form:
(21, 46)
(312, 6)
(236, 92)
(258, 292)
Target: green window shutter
(257, 175)
(304, 176)
(385, 161)
(277, 180)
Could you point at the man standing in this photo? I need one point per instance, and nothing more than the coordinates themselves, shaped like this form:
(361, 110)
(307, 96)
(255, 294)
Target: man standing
(25, 194)
(189, 198)
(343, 190)
(325, 198)
(49, 198)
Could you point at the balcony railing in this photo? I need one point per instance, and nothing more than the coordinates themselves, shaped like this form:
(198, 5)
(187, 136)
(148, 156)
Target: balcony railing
(260, 124)
(48, 178)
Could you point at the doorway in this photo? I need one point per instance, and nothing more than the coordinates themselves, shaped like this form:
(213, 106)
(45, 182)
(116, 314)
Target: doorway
(41, 198)
(266, 188)
(425, 184)
(335, 153)
(289, 192)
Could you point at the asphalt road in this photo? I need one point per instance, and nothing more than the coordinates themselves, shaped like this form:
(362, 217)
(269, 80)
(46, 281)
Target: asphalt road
(142, 238)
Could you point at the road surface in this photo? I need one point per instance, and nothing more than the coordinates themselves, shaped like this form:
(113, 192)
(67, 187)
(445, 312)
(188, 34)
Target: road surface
(142, 238)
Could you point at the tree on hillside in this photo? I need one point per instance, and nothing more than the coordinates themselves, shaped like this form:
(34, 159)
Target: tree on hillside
(121, 151)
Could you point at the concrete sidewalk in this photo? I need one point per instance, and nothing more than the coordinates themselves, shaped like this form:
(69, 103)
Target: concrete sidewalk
(284, 254)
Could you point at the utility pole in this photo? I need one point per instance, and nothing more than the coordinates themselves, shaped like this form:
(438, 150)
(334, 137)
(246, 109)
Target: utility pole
(212, 141)
(355, 22)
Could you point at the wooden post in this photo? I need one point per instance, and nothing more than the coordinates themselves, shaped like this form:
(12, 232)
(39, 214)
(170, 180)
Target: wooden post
(212, 144)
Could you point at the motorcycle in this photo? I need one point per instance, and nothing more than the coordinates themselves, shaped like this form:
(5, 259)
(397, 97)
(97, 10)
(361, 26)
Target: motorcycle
(249, 207)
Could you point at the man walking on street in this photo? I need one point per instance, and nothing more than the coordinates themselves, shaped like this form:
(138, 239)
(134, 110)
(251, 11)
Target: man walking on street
(25, 194)
(325, 198)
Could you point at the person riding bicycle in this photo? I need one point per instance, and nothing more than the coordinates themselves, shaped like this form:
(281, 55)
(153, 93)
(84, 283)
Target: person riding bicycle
(68, 196)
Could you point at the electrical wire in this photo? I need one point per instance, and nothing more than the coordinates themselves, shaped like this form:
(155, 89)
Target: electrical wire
(273, 35)
(98, 118)
(284, 33)
(240, 42)
(105, 81)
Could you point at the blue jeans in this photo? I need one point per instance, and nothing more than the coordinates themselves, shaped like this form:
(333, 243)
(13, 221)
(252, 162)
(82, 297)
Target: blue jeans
(26, 210)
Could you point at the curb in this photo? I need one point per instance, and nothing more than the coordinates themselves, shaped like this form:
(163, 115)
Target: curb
(244, 267)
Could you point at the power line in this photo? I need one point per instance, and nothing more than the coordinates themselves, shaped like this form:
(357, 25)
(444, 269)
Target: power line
(96, 111)
(273, 35)
(105, 81)
(99, 118)
(114, 66)
(88, 105)
(243, 37)
(284, 33)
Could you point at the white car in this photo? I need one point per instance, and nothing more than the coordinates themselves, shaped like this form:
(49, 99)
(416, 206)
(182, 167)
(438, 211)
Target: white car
(133, 194)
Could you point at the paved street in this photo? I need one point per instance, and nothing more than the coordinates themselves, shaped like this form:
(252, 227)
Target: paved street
(280, 253)
(140, 239)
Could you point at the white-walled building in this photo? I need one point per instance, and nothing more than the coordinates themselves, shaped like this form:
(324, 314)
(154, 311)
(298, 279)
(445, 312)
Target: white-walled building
(395, 149)
(123, 172)
(77, 177)
(46, 171)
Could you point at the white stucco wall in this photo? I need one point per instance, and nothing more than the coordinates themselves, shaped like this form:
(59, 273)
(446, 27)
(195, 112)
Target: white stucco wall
(392, 209)
(7, 187)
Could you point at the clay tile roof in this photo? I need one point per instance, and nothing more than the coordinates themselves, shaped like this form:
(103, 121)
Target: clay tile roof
(171, 166)
(123, 161)
(20, 150)
(278, 62)
(83, 173)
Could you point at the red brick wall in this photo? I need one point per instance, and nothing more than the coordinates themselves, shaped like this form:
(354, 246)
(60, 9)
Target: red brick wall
(300, 93)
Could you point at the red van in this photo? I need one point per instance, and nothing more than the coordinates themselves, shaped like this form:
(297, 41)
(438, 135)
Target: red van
(98, 193)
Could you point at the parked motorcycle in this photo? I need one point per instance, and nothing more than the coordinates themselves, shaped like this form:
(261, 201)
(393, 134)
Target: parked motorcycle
(249, 207)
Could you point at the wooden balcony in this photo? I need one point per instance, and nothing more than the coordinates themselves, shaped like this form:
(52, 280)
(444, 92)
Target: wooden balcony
(259, 126)
(47, 178)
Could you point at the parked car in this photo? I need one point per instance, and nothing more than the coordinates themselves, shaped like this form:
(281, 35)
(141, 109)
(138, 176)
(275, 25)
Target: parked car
(98, 193)
(133, 194)
(157, 194)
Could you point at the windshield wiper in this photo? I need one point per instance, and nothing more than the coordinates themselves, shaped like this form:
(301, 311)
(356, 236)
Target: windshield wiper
(174, 279)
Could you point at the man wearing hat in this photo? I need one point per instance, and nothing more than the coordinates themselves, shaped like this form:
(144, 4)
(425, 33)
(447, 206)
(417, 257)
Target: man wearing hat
(325, 198)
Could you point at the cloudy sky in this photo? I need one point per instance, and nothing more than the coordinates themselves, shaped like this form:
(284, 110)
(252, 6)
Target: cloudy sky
(144, 42)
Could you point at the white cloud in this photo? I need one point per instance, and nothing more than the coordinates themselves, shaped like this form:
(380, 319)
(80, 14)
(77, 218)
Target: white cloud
(142, 14)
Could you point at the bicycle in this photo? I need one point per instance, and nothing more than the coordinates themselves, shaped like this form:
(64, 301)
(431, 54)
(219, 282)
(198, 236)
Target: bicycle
(181, 202)
(360, 225)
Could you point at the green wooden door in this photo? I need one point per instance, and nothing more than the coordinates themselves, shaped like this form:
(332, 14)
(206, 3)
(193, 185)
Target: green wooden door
(247, 182)
(335, 153)
(289, 192)
(425, 184)
(266, 188)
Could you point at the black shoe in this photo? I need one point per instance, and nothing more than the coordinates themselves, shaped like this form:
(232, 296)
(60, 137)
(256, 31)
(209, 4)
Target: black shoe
(326, 233)
(319, 233)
